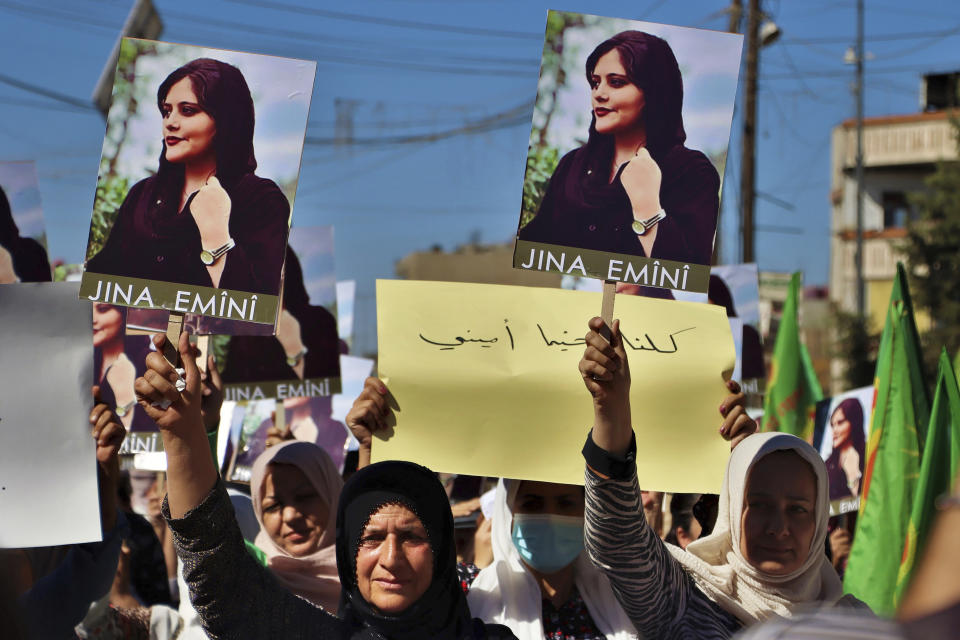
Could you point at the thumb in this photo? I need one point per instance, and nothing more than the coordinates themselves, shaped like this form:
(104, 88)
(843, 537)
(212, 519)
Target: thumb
(214, 372)
(191, 371)
(616, 340)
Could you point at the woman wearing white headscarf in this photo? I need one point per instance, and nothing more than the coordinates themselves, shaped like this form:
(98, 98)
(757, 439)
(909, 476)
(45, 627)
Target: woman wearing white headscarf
(765, 556)
(507, 592)
(297, 520)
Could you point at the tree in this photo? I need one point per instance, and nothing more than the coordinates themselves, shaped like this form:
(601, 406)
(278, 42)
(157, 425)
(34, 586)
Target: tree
(932, 248)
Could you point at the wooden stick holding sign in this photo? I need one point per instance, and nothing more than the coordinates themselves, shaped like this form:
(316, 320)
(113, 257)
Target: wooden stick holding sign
(171, 346)
(203, 345)
(606, 308)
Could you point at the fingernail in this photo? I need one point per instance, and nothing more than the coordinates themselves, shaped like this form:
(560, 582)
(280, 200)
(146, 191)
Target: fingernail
(723, 409)
(723, 429)
(382, 389)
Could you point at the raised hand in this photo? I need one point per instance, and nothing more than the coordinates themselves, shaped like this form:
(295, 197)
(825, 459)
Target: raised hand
(736, 425)
(120, 377)
(7, 274)
(212, 395)
(288, 335)
(172, 410)
(641, 180)
(211, 211)
(108, 432)
(606, 374)
(370, 413)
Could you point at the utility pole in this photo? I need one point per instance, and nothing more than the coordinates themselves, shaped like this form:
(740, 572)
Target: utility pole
(749, 139)
(735, 16)
(858, 91)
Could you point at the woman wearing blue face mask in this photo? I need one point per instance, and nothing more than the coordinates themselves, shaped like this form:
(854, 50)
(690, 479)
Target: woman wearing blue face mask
(541, 584)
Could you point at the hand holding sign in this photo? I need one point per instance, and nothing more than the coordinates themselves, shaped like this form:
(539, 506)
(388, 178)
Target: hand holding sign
(606, 374)
(370, 413)
(212, 394)
(737, 425)
(173, 411)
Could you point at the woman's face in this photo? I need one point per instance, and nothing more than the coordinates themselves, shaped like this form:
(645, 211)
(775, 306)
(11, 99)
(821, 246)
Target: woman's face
(549, 497)
(617, 102)
(107, 324)
(188, 130)
(841, 429)
(294, 514)
(394, 559)
(779, 513)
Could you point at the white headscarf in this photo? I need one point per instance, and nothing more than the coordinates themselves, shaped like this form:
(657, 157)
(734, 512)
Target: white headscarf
(506, 593)
(718, 567)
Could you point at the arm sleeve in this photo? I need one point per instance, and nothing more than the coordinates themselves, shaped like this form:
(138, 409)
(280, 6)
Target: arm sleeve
(234, 596)
(648, 582)
(695, 214)
(260, 234)
(62, 598)
(543, 226)
(110, 259)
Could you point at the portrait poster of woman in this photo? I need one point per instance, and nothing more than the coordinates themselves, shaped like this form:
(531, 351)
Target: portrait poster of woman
(841, 430)
(198, 174)
(303, 358)
(23, 240)
(627, 149)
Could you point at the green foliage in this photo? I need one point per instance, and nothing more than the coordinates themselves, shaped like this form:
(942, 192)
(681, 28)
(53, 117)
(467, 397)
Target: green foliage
(932, 248)
(541, 163)
(111, 190)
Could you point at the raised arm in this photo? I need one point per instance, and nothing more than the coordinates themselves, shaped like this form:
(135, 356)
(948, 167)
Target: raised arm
(234, 596)
(651, 586)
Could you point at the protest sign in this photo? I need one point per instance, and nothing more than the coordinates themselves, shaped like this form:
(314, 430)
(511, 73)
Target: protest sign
(23, 241)
(199, 231)
(485, 382)
(630, 131)
(840, 432)
(303, 358)
(48, 467)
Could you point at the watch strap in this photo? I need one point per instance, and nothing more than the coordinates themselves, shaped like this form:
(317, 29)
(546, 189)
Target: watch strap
(210, 256)
(640, 227)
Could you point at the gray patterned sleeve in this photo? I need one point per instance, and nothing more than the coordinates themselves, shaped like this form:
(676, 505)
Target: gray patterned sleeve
(651, 586)
(234, 596)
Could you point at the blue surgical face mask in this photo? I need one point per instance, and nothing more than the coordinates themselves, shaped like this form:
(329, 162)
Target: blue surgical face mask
(547, 542)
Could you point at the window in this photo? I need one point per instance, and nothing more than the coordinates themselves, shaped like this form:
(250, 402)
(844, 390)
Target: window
(896, 210)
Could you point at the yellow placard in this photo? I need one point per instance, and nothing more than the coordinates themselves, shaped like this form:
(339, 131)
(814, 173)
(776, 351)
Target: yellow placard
(486, 382)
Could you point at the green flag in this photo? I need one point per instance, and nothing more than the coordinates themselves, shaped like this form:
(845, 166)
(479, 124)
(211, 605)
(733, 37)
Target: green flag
(900, 404)
(793, 389)
(937, 469)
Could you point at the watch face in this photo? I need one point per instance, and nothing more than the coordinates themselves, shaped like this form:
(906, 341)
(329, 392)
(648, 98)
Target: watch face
(206, 257)
(638, 228)
(121, 411)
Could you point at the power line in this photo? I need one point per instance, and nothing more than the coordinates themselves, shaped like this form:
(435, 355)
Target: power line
(365, 46)
(390, 22)
(54, 95)
(883, 37)
(512, 117)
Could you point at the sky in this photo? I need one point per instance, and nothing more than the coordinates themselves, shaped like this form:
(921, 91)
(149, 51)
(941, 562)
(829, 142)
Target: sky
(408, 68)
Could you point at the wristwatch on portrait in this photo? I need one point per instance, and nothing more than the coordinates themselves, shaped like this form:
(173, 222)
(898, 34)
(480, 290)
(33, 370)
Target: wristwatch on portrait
(640, 227)
(123, 410)
(296, 358)
(209, 256)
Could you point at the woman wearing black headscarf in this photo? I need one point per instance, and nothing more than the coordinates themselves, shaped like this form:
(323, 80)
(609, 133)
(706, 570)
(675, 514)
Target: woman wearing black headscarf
(204, 219)
(28, 257)
(633, 188)
(395, 548)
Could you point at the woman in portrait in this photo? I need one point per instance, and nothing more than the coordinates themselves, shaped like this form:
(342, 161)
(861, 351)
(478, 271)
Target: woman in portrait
(205, 218)
(114, 368)
(845, 464)
(633, 188)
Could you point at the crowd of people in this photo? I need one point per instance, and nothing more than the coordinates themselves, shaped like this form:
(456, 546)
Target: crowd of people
(304, 554)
